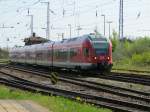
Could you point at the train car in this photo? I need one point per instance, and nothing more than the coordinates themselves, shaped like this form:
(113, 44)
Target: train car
(88, 52)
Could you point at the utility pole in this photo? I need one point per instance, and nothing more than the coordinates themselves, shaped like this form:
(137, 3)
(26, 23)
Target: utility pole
(104, 22)
(61, 35)
(3, 27)
(7, 44)
(58, 34)
(31, 24)
(48, 20)
(70, 29)
(78, 29)
(121, 21)
(109, 23)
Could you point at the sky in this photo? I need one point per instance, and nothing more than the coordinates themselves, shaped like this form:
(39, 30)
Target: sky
(75, 12)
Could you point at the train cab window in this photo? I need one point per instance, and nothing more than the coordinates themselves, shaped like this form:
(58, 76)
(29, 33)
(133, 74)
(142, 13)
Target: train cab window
(101, 48)
(86, 52)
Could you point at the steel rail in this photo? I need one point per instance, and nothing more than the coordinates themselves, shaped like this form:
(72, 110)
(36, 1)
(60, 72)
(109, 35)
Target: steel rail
(100, 87)
(97, 100)
(144, 80)
(90, 84)
(132, 70)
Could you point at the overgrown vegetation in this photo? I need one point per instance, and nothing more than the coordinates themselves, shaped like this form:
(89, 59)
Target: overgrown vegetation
(53, 103)
(131, 52)
(3, 54)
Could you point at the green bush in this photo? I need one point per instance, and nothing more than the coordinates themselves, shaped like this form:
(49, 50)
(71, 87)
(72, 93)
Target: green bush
(3, 53)
(140, 45)
(114, 40)
(143, 59)
(114, 44)
(136, 52)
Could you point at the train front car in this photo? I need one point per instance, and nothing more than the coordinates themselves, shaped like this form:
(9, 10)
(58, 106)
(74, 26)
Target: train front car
(102, 52)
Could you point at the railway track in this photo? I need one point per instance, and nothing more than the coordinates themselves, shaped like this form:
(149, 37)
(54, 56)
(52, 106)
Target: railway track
(131, 70)
(130, 78)
(122, 77)
(108, 102)
(64, 77)
(92, 85)
(114, 104)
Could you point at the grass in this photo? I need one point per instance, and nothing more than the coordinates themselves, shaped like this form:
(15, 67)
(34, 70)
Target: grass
(53, 103)
(4, 61)
(132, 54)
(128, 66)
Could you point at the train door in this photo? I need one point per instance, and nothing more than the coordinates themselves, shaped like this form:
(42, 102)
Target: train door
(87, 51)
(86, 54)
(45, 55)
(25, 55)
(34, 55)
(68, 55)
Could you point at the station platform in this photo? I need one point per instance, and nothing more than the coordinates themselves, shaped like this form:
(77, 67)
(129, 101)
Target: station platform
(21, 106)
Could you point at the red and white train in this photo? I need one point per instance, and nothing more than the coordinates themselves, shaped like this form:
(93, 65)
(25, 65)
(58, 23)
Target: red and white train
(87, 52)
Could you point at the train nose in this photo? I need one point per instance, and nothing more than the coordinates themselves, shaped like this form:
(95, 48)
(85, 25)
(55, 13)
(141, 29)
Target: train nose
(102, 58)
(105, 66)
(103, 63)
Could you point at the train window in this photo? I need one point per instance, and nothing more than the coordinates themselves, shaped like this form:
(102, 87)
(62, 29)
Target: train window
(100, 45)
(101, 48)
(86, 52)
(45, 54)
(49, 53)
(39, 55)
(97, 38)
(56, 53)
(102, 51)
(72, 39)
(61, 54)
(73, 52)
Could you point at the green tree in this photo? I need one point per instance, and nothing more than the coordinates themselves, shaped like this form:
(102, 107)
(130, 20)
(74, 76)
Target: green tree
(3, 53)
(114, 40)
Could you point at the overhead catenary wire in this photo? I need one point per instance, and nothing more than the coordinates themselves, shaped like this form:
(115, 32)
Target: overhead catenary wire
(87, 8)
(88, 11)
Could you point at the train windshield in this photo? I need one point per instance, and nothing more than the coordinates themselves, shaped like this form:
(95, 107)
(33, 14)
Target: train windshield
(101, 48)
(97, 38)
(100, 44)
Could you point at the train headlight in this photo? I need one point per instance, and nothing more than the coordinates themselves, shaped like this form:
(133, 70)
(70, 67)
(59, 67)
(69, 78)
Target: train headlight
(108, 58)
(95, 57)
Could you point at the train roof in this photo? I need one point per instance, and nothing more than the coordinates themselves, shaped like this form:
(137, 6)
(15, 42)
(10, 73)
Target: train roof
(81, 39)
(71, 41)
